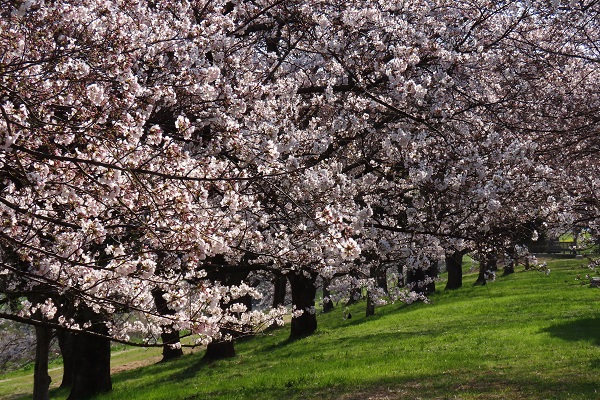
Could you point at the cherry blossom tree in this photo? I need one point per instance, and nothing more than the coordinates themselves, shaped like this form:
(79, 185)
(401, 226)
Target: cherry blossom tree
(429, 111)
(155, 153)
(103, 170)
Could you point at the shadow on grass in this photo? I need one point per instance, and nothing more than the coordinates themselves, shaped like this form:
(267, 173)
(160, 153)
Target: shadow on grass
(595, 364)
(177, 366)
(280, 344)
(486, 385)
(582, 329)
(192, 370)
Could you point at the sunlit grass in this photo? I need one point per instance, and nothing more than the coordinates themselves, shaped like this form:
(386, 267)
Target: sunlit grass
(525, 336)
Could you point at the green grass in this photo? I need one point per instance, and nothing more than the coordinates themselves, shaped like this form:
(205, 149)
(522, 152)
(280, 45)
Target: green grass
(525, 336)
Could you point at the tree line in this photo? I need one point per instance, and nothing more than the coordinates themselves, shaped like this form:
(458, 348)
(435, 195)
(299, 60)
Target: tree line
(163, 162)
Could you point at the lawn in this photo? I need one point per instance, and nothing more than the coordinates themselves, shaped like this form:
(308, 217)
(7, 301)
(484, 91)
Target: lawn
(524, 336)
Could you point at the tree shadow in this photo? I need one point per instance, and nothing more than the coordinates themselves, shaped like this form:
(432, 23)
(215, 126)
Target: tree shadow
(595, 364)
(191, 371)
(283, 343)
(587, 329)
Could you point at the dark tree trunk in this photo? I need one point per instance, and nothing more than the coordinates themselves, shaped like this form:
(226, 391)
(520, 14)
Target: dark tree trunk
(65, 342)
(169, 335)
(355, 293)
(380, 275)
(91, 362)
(370, 305)
(41, 379)
(382, 281)
(413, 277)
(485, 267)
(493, 263)
(327, 304)
(509, 268)
(303, 298)
(279, 291)
(416, 278)
(433, 272)
(355, 296)
(454, 268)
(247, 301)
(481, 281)
(219, 350)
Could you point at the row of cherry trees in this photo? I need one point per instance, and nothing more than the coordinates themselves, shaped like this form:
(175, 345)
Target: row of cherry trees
(159, 156)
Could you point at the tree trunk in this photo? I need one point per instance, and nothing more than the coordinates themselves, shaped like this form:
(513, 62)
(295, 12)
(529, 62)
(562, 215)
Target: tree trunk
(279, 291)
(413, 277)
(327, 304)
(219, 350)
(169, 335)
(355, 296)
(509, 269)
(402, 273)
(482, 272)
(416, 278)
(493, 263)
(380, 275)
(170, 339)
(454, 268)
(382, 280)
(91, 362)
(433, 272)
(303, 298)
(65, 342)
(370, 305)
(485, 267)
(41, 379)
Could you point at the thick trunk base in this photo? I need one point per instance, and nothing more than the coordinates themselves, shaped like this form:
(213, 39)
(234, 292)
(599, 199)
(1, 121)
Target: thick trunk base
(303, 298)
(91, 363)
(415, 279)
(370, 311)
(486, 267)
(169, 335)
(382, 281)
(509, 269)
(65, 343)
(41, 379)
(219, 350)
(454, 268)
(169, 338)
(279, 290)
(480, 280)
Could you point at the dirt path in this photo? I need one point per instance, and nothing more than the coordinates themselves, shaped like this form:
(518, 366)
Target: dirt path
(134, 364)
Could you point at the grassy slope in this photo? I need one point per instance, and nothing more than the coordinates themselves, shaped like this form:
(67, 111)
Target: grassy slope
(525, 336)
